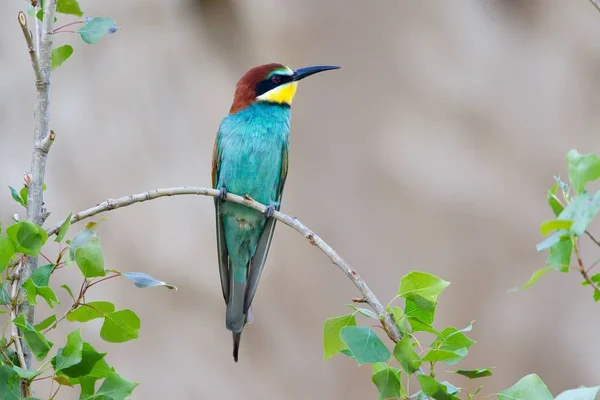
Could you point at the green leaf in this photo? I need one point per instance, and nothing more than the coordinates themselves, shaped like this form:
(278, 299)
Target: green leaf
(64, 227)
(41, 275)
(62, 380)
(71, 354)
(581, 210)
(421, 284)
(406, 355)
(94, 30)
(387, 380)
(553, 200)
(81, 239)
(37, 285)
(9, 383)
(60, 55)
(582, 393)
(363, 311)
(45, 323)
(34, 339)
(534, 278)
(552, 240)
(474, 373)
(530, 387)
(89, 311)
(4, 294)
(454, 339)
(115, 387)
(25, 373)
(400, 320)
(89, 257)
(364, 344)
(70, 7)
(28, 237)
(555, 225)
(7, 250)
(449, 357)
(68, 289)
(120, 326)
(583, 168)
(90, 358)
(434, 389)
(332, 344)
(420, 313)
(143, 280)
(16, 197)
(23, 193)
(559, 257)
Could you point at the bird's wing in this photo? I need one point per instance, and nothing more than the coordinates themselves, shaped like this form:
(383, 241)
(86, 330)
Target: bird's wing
(221, 246)
(257, 262)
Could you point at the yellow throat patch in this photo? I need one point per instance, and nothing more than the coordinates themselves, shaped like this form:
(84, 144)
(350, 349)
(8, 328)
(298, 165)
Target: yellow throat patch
(283, 94)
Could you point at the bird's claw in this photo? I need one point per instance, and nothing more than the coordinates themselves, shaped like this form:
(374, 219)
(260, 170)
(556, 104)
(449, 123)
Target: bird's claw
(222, 194)
(271, 208)
(269, 211)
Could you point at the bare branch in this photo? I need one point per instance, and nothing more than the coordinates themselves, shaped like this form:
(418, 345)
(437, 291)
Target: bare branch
(367, 295)
(42, 139)
(34, 60)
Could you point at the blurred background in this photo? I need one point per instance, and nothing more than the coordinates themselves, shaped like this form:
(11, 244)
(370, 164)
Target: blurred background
(431, 149)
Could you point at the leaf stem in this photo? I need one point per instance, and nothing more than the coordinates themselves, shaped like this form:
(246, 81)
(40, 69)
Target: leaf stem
(100, 280)
(56, 30)
(582, 269)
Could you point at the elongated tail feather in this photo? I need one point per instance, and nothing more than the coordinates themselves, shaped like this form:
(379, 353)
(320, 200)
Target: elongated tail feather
(235, 316)
(237, 336)
(257, 263)
(222, 251)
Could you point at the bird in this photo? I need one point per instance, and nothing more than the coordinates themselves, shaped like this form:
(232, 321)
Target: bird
(250, 158)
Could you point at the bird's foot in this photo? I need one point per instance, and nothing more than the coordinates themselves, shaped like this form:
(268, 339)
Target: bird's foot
(222, 194)
(271, 208)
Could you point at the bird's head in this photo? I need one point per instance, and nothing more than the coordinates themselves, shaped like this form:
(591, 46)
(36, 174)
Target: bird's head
(271, 83)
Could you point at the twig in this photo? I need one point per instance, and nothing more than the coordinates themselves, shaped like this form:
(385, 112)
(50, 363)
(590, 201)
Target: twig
(369, 297)
(15, 331)
(582, 269)
(34, 60)
(596, 3)
(42, 139)
(592, 238)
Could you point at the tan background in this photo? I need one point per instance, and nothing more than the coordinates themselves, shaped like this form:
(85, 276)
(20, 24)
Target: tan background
(431, 149)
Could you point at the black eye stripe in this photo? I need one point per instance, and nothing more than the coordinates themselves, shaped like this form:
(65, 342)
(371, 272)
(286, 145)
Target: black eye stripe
(265, 85)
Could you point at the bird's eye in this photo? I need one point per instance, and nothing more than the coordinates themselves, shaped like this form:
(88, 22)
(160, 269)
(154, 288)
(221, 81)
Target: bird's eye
(276, 79)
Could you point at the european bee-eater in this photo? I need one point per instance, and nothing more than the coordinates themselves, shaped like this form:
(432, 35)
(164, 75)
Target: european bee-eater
(250, 157)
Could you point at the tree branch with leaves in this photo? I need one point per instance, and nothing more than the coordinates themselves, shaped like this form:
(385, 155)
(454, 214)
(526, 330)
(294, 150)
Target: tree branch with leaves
(406, 359)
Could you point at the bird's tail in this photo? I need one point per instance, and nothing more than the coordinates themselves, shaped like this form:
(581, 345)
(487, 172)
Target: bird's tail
(237, 336)
(235, 318)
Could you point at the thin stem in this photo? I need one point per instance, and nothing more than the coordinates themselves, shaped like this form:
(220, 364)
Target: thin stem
(67, 25)
(369, 297)
(592, 238)
(582, 269)
(596, 3)
(100, 280)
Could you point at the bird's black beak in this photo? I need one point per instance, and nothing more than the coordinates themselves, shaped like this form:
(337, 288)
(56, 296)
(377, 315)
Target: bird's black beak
(302, 73)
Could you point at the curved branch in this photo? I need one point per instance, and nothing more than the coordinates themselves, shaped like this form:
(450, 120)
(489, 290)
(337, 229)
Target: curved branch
(367, 295)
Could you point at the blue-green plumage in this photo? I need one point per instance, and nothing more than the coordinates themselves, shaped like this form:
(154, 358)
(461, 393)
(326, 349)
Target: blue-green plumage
(252, 160)
(250, 157)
